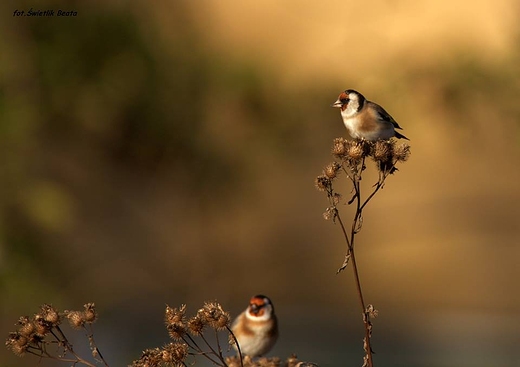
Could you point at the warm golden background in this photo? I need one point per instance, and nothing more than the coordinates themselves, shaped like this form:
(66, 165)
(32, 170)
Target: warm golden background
(165, 152)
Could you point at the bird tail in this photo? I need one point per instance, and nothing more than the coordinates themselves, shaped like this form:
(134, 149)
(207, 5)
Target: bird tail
(400, 136)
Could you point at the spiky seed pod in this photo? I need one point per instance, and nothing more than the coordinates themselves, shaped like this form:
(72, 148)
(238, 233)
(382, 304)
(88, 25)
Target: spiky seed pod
(17, 343)
(322, 183)
(50, 314)
(339, 147)
(331, 171)
(76, 319)
(175, 321)
(196, 325)
(42, 327)
(216, 317)
(382, 150)
(27, 327)
(356, 150)
(175, 353)
(401, 152)
(90, 313)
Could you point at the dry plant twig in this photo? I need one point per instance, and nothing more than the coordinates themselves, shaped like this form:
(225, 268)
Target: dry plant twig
(350, 156)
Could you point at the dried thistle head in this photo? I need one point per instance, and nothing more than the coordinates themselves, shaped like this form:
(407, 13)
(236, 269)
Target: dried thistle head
(323, 183)
(233, 361)
(331, 170)
(90, 313)
(149, 358)
(175, 353)
(215, 316)
(382, 150)
(292, 360)
(339, 147)
(27, 327)
(358, 149)
(401, 152)
(50, 314)
(42, 327)
(268, 362)
(17, 343)
(76, 319)
(196, 324)
(175, 320)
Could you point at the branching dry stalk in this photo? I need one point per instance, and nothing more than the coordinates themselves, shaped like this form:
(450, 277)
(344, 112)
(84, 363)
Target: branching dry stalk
(42, 332)
(43, 337)
(350, 157)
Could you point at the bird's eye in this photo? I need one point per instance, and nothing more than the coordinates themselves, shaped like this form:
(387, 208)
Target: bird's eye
(344, 100)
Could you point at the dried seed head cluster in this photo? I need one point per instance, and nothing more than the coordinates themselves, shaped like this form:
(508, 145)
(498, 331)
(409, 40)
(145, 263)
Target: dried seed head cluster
(90, 312)
(175, 320)
(196, 324)
(323, 183)
(78, 319)
(174, 353)
(339, 147)
(50, 314)
(351, 155)
(149, 358)
(402, 152)
(357, 149)
(211, 315)
(331, 171)
(27, 327)
(382, 150)
(291, 361)
(32, 332)
(215, 316)
(17, 343)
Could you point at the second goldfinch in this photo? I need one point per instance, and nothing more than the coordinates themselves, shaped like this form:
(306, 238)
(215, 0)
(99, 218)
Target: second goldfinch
(256, 329)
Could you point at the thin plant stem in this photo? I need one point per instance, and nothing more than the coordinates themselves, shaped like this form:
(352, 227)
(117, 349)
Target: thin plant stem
(93, 346)
(238, 345)
(213, 350)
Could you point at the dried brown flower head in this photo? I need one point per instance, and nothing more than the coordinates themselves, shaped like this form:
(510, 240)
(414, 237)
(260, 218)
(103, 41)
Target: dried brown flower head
(175, 353)
(90, 313)
(215, 316)
(27, 327)
(50, 314)
(322, 183)
(76, 319)
(382, 150)
(331, 171)
(196, 324)
(149, 358)
(175, 320)
(268, 362)
(357, 149)
(17, 343)
(339, 147)
(292, 360)
(401, 152)
(42, 327)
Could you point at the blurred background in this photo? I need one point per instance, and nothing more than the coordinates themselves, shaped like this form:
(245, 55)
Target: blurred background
(165, 153)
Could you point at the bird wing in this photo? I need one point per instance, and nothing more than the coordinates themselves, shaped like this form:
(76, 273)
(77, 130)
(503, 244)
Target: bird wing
(385, 116)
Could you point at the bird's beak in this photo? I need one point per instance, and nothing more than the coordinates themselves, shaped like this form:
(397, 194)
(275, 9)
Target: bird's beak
(337, 104)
